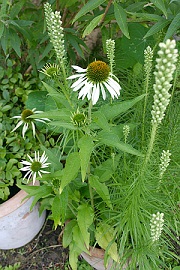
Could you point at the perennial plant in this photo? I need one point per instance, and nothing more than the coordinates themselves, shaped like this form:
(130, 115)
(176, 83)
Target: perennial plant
(100, 182)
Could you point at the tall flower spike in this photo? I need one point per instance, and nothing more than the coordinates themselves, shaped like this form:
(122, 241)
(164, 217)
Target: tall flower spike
(165, 160)
(148, 57)
(126, 130)
(165, 68)
(156, 224)
(110, 48)
(94, 79)
(55, 31)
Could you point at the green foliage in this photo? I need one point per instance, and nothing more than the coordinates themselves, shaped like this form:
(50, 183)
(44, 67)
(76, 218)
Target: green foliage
(11, 267)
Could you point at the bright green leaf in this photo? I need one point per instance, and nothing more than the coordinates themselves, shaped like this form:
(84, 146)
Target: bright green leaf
(105, 238)
(160, 5)
(78, 239)
(86, 146)
(71, 169)
(173, 27)
(111, 139)
(156, 28)
(89, 6)
(90, 27)
(101, 189)
(121, 18)
(67, 235)
(85, 218)
(113, 110)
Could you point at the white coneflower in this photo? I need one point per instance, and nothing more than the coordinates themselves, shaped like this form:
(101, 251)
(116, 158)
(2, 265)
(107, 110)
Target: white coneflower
(94, 79)
(79, 119)
(156, 224)
(34, 168)
(165, 67)
(26, 121)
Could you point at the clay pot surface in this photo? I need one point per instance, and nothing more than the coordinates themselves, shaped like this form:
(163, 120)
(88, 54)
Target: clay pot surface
(96, 260)
(19, 225)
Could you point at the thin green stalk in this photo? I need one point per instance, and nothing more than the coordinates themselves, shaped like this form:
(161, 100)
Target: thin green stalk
(89, 110)
(144, 109)
(37, 136)
(151, 145)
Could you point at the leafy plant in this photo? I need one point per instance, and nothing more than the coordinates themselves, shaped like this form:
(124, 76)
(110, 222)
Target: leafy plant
(11, 267)
(106, 168)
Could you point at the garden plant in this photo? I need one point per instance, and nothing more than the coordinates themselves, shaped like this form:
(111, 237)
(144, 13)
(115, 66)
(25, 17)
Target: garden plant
(105, 136)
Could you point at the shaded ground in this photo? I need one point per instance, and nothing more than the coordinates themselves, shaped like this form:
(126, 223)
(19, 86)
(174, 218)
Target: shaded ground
(44, 252)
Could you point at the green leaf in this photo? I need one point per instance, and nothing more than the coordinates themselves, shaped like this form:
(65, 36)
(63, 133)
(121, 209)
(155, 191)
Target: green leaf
(160, 5)
(89, 6)
(57, 96)
(59, 207)
(111, 139)
(56, 211)
(173, 27)
(86, 146)
(67, 235)
(71, 169)
(121, 19)
(90, 27)
(78, 239)
(135, 6)
(74, 252)
(85, 218)
(156, 28)
(101, 189)
(1, 28)
(113, 110)
(100, 119)
(105, 239)
(36, 99)
(38, 192)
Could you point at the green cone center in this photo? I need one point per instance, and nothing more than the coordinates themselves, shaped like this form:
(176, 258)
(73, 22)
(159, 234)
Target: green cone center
(36, 166)
(98, 71)
(25, 114)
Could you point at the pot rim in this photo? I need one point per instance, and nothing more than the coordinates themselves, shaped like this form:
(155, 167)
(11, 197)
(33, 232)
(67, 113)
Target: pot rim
(15, 202)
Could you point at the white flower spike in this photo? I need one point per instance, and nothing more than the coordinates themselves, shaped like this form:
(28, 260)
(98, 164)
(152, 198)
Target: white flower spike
(34, 168)
(94, 79)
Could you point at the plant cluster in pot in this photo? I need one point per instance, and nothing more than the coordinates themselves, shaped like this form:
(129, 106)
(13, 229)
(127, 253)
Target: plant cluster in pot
(18, 224)
(98, 185)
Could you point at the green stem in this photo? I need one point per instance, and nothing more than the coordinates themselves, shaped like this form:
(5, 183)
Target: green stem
(37, 136)
(151, 144)
(145, 105)
(89, 110)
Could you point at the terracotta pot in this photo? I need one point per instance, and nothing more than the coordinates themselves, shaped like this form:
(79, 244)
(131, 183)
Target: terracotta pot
(19, 225)
(96, 260)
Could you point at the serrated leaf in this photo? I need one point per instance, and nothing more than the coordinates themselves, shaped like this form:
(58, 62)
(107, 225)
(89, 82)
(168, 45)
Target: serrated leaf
(85, 145)
(85, 218)
(100, 119)
(160, 5)
(56, 211)
(113, 110)
(78, 239)
(59, 207)
(67, 235)
(121, 18)
(90, 27)
(105, 238)
(74, 252)
(111, 139)
(173, 27)
(101, 189)
(89, 6)
(156, 28)
(71, 169)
